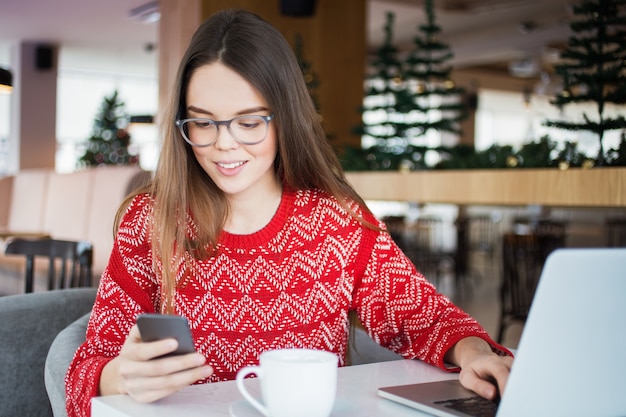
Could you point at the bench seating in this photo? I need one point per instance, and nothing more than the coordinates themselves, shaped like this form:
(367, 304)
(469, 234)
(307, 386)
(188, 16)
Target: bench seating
(69, 206)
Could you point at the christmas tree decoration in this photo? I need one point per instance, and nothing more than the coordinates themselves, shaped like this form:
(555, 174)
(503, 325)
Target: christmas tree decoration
(385, 144)
(438, 103)
(540, 154)
(593, 68)
(310, 77)
(109, 141)
(570, 155)
(617, 157)
(383, 94)
(406, 98)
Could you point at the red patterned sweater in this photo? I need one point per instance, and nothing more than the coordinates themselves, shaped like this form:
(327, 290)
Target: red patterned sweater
(290, 284)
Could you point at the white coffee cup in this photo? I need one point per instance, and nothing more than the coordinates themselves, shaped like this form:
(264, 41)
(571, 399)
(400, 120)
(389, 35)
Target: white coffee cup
(294, 382)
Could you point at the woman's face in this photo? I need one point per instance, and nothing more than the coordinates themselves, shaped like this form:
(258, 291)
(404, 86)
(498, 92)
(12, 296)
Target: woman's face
(216, 92)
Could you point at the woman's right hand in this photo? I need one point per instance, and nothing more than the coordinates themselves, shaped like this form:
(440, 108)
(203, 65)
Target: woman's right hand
(137, 373)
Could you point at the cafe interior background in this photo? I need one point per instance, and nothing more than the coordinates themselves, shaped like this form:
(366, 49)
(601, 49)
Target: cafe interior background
(504, 55)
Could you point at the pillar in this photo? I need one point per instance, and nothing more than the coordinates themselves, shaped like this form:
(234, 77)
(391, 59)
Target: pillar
(32, 137)
(179, 20)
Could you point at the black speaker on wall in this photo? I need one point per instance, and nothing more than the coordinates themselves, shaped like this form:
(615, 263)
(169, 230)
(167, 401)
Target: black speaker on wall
(44, 56)
(297, 8)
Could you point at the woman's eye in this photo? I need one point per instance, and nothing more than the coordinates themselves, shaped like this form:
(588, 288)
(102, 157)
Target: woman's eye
(203, 124)
(248, 123)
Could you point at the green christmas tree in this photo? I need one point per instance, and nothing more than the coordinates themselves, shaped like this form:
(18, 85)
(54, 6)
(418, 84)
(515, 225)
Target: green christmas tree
(617, 156)
(382, 126)
(109, 141)
(404, 99)
(593, 67)
(310, 77)
(433, 98)
(387, 145)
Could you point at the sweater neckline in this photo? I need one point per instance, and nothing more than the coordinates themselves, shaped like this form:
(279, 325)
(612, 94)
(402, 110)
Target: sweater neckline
(269, 231)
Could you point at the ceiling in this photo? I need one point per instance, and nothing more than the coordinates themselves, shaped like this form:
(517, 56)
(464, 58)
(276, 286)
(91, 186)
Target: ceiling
(98, 35)
(493, 34)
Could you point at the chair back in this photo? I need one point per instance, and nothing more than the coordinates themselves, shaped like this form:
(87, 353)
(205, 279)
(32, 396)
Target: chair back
(396, 226)
(75, 259)
(425, 235)
(521, 264)
(523, 257)
(425, 247)
(616, 232)
(551, 236)
(477, 236)
(28, 325)
(58, 361)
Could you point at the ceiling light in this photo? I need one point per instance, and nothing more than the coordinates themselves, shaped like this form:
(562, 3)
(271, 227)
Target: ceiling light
(146, 13)
(527, 27)
(523, 68)
(142, 119)
(6, 81)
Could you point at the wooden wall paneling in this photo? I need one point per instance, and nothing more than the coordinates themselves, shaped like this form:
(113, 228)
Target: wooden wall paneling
(575, 187)
(334, 42)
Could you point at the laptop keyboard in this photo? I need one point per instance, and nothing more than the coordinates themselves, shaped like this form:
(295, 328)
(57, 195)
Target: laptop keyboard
(472, 406)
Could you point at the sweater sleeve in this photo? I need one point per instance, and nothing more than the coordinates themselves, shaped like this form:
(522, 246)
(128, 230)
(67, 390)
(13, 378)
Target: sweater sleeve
(127, 288)
(402, 311)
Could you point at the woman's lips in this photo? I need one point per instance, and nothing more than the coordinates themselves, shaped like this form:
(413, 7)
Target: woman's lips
(230, 167)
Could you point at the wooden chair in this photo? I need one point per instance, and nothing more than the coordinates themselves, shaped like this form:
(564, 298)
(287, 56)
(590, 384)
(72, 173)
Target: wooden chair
(396, 226)
(521, 268)
(477, 238)
(551, 235)
(424, 247)
(523, 257)
(75, 259)
(616, 232)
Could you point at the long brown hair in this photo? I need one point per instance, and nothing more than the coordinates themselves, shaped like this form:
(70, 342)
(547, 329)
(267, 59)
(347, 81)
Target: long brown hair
(253, 48)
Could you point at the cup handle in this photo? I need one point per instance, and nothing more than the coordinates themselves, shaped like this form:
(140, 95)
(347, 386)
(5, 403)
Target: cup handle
(243, 372)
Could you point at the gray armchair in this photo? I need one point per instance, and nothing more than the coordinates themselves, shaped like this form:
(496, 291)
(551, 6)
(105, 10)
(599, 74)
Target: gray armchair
(364, 350)
(58, 362)
(28, 325)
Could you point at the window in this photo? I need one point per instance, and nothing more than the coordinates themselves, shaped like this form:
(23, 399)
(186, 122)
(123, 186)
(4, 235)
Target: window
(79, 97)
(504, 118)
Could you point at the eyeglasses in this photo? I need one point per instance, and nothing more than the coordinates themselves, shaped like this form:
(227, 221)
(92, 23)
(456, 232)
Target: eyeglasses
(247, 130)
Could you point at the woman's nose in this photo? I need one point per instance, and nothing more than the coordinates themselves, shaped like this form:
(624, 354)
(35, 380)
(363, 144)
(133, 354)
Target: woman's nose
(225, 139)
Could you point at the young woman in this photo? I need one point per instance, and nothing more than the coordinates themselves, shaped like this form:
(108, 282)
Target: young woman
(250, 230)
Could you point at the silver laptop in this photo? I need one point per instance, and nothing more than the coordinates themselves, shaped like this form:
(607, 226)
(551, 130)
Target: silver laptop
(571, 359)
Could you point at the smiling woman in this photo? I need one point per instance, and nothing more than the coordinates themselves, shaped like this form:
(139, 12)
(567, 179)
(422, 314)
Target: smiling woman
(257, 239)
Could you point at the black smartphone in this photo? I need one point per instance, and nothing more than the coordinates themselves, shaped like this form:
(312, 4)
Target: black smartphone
(162, 326)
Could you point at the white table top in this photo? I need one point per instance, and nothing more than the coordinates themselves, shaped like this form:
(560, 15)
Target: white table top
(356, 395)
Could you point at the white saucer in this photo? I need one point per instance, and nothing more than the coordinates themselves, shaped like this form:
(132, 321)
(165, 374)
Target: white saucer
(243, 408)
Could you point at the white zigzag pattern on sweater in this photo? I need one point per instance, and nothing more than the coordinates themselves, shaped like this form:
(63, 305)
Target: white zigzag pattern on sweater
(294, 290)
